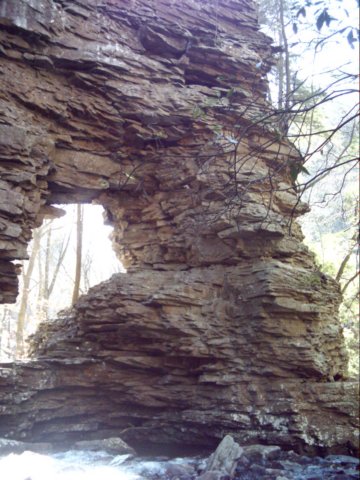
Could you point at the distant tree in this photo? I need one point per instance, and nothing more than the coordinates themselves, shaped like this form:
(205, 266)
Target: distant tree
(54, 256)
(20, 330)
(5, 330)
(79, 245)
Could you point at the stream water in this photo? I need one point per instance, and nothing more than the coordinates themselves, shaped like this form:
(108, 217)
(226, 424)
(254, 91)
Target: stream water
(84, 465)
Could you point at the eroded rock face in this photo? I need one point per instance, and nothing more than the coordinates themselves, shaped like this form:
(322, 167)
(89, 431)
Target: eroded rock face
(223, 323)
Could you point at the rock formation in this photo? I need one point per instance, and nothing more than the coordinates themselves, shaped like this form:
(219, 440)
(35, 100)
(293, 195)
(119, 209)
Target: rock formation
(223, 323)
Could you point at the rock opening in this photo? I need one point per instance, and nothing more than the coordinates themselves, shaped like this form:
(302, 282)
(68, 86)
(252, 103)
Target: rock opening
(48, 278)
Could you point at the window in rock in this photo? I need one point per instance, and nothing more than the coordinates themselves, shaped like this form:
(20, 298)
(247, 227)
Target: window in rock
(67, 256)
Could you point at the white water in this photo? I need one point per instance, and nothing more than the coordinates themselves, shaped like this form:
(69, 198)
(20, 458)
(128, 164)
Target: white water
(81, 465)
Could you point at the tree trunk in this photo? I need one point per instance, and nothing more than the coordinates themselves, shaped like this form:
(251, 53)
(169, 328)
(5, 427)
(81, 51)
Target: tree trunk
(3, 329)
(59, 262)
(25, 295)
(285, 77)
(287, 73)
(79, 235)
(45, 289)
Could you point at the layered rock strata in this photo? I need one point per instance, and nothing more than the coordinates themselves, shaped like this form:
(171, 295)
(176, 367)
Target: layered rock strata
(222, 324)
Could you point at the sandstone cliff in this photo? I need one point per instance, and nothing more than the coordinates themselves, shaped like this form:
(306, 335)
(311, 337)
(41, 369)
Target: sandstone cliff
(222, 324)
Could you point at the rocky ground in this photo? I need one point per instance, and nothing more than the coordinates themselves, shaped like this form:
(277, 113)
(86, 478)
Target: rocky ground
(285, 466)
(272, 463)
(228, 462)
(290, 466)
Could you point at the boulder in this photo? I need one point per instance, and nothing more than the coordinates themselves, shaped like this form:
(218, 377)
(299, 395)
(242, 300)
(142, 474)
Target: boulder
(112, 445)
(175, 471)
(225, 457)
(261, 453)
(13, 446)
(213, 475)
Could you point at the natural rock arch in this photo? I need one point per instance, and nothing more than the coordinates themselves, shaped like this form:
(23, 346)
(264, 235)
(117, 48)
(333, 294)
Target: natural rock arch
(223, 324)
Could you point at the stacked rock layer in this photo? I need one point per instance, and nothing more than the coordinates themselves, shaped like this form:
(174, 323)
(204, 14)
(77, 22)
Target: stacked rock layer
(223, 323)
